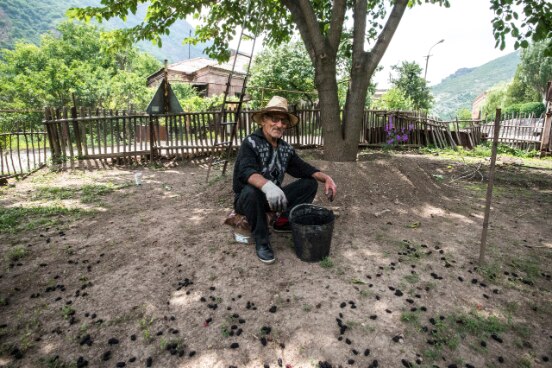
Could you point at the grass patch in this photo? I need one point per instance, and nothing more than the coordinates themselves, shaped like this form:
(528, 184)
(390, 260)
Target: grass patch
(326, 263)
(92, 192)
(145, 326)
(54, 362)
(54, 193)
(482, 150)
(410, 317)
(528, 266)
(15, 219)
(17, 253)
(412, 278)
(89, 193)
(449, 332)
(67, 312)
(489, 271)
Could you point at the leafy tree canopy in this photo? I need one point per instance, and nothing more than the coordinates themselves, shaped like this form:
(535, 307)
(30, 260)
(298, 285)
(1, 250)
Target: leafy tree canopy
(536, 67)
(285, 70)
(393, 99)
(534, 23)
(414, 87)
(321, 24)
(74, 61)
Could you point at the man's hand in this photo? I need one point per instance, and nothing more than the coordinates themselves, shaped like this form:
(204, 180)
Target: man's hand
(275, 196)
(330, 189)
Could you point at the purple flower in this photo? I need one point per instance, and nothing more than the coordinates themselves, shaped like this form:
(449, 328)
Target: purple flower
(405, 138)
(410, 126)
(391, 141)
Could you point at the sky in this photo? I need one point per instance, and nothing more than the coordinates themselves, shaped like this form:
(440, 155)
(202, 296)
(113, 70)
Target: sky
(466, 28)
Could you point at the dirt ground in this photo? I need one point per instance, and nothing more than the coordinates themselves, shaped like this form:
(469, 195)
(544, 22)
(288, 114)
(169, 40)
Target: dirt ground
(99, 272)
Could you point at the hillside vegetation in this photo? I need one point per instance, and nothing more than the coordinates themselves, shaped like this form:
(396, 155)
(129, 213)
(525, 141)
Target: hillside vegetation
(461, 88)
(23, 20)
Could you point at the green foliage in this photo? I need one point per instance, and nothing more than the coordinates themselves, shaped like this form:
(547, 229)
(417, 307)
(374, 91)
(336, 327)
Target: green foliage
(74, 61)
(393, 99)
(495, 100)
(463, 114)
(519, 91)
(26, 21)
(535, 23)
(536, 64)
(285, 70)
(534, 108)
(411, 83)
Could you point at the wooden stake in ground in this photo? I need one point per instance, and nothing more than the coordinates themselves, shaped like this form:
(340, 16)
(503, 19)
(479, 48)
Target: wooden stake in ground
(489, 189)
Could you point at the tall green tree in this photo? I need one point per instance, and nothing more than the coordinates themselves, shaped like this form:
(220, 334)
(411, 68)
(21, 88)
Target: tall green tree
(410, 81)
(520, 91)
(393, 99)
(284, 70)
(536, 67)
(74, 61)
(320, 24)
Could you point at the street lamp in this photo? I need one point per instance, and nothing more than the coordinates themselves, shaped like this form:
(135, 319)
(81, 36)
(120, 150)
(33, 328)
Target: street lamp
(428, 55)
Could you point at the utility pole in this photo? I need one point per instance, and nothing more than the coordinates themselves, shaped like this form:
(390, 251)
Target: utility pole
(427, 57)
(189, 46)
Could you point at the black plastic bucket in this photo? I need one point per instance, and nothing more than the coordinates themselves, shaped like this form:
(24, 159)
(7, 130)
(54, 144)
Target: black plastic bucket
(312, 229)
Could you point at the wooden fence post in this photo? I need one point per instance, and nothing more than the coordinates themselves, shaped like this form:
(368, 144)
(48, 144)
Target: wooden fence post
(546, 130)
(76, 127)
(152, 138)
(489, 190)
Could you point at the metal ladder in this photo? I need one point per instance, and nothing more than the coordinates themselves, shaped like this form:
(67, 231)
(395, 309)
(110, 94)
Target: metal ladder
(224, 113)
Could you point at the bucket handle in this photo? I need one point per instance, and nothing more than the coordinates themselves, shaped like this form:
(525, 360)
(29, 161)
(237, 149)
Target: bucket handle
(303, 205)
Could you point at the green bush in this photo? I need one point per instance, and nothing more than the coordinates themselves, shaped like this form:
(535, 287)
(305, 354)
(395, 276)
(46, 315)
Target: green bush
(535, 108)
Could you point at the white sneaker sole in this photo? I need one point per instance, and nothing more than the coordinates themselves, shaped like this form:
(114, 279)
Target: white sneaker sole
(271, 261)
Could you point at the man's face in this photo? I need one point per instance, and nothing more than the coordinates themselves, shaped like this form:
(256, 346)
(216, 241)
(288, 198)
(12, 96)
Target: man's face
(274, 124)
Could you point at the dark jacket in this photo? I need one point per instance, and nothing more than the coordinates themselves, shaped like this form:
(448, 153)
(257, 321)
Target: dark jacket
(256, 155)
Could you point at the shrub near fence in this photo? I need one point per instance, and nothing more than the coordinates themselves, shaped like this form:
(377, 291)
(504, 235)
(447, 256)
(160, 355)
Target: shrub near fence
(23, 142)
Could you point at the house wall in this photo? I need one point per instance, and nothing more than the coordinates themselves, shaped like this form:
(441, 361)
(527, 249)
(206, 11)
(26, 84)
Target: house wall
(216, 80)
(174, 77)
(477, 104)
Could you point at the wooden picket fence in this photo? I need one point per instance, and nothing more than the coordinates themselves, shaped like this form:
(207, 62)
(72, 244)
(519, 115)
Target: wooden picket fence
(23, 143)
(523, 131)
(121, 136)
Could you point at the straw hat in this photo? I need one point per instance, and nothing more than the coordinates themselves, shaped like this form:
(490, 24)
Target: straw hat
(276, 104)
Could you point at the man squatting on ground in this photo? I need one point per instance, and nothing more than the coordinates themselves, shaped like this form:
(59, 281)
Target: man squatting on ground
(262, 161)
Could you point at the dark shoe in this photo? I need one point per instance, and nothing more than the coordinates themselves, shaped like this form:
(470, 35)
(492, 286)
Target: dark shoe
(265, 253)
(282, 225)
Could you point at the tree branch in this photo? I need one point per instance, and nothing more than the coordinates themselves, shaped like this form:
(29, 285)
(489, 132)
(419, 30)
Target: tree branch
(336, 23)
(359, 30)
(377, 52)
(305, 18)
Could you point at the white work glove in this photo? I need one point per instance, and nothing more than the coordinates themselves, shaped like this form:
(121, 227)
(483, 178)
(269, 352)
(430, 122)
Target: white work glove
(275, 196)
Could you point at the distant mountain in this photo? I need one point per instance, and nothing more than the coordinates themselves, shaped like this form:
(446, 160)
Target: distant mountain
(24, 20)
(461, 88)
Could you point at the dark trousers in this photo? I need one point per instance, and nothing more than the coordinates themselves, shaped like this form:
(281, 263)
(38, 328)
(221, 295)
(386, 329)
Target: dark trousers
(253, 205)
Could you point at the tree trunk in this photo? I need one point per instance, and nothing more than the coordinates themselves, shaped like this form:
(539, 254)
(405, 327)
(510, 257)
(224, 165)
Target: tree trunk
(326, 84)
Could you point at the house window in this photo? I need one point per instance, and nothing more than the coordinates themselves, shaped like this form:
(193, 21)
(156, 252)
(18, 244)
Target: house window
(201, 89)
